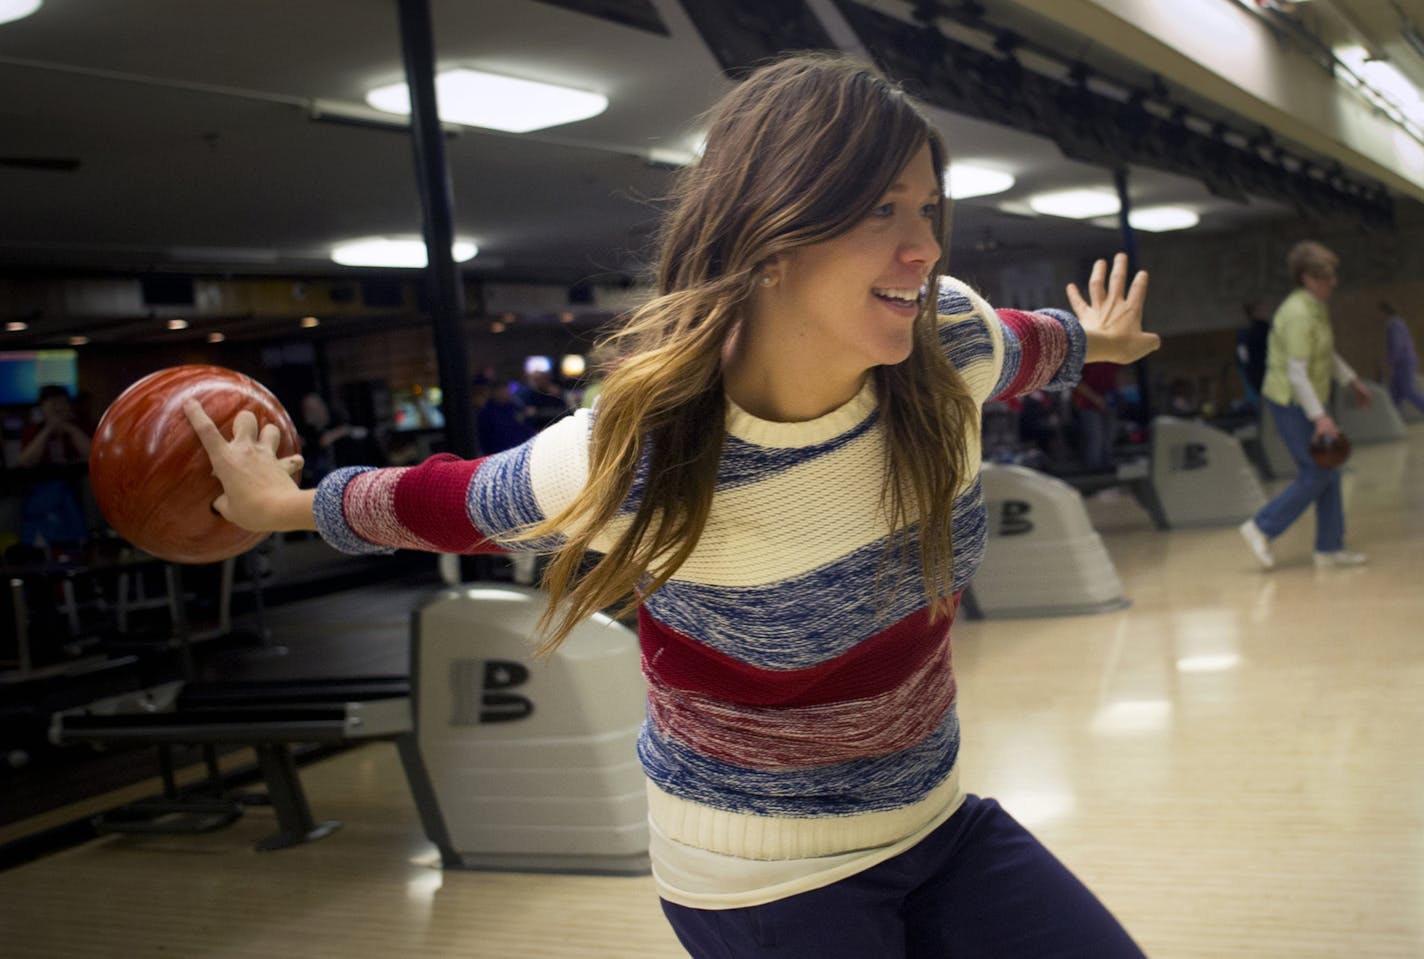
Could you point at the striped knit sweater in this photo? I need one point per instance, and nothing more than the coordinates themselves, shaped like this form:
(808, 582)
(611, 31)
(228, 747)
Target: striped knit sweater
(799, 715)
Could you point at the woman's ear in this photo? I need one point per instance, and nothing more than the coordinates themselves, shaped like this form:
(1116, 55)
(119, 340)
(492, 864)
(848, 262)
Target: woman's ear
(771, 271)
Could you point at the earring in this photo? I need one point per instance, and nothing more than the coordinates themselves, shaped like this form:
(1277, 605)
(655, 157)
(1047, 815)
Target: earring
(765, 280)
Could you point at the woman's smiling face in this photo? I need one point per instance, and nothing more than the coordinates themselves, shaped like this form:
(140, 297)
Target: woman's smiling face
(852, 300)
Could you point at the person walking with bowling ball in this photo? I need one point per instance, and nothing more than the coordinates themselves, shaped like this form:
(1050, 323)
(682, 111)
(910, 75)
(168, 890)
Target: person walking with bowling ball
(784, 470)
(1300, 363)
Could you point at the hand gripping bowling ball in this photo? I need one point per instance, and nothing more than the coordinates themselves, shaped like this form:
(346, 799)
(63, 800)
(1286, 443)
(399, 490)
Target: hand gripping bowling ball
(1330, 454)
(151, 477)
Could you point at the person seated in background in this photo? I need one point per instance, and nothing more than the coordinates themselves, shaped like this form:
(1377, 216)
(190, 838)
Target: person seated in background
(51, 515)
(1094, 405)
(499, 420)
(55, 437)
(328, 440)
(544, 403)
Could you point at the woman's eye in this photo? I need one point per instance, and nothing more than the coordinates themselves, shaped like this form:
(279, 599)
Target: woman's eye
(884, 210)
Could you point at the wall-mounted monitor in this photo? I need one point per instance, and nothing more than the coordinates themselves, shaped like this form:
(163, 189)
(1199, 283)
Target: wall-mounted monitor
(22, 373)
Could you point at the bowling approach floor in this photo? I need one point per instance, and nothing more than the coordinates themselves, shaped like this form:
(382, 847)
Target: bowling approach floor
(1234, 763)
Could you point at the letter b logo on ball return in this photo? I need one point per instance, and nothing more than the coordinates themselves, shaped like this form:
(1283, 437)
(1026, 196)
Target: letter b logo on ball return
(1189, 456)
(483, 691)
(1013, 518)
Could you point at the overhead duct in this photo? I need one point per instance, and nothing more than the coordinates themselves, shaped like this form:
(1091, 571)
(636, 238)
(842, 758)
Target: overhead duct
(1086, 124)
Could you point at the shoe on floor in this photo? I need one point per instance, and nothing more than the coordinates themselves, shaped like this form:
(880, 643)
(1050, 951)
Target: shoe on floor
(1340, 557)
(1261, 546)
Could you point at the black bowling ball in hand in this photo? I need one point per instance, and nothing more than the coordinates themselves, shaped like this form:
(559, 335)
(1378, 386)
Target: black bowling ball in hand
(1330, 454)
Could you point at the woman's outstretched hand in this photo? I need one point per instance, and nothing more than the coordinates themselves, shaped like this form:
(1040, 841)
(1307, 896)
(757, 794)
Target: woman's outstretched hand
(260, 492)
(1112, 322)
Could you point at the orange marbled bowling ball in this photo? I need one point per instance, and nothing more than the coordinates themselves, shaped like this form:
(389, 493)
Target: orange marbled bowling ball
(152, 479)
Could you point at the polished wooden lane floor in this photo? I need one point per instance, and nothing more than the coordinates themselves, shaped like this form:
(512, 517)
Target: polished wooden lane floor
(1234, 763)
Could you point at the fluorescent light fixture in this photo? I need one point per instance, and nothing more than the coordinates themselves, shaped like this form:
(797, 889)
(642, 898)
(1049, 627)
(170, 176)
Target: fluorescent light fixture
(1075, 204)
(965, 180)
(478, 99)
(395, 251)
(11, 10)
(1162, 219)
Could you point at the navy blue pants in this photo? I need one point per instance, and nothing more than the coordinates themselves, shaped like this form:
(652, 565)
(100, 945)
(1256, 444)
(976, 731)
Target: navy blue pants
(978, 887)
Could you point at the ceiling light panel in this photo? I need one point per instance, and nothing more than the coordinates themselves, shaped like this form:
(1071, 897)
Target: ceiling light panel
(386, 251)
(1074, 204)
(965, 180)
(477, 99)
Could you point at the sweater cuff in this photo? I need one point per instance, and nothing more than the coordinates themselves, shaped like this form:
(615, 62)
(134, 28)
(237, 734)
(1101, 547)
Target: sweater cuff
(331, 516)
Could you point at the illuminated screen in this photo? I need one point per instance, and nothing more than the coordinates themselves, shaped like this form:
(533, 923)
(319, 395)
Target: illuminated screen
(23, 373)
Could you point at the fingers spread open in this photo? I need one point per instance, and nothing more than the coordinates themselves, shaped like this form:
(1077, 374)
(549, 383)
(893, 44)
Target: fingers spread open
(1075, 300)
(1138, 292)
(1118, 280)
(1095, 281)
(270, 437)
(204, 426)
(244, 426)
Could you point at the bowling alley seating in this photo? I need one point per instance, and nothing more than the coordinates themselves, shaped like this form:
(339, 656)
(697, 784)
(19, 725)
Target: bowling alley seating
(268, 716)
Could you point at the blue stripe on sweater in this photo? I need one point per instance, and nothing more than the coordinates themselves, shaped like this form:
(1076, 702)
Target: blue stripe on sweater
(879, 783)
(805, 620)
(1071, 371)
(501, 497)
(745, 463)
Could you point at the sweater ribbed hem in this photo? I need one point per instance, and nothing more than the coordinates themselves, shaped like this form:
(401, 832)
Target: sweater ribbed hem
(749, 836)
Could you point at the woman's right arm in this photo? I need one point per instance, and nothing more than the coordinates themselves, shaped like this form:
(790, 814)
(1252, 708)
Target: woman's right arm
(445, 504)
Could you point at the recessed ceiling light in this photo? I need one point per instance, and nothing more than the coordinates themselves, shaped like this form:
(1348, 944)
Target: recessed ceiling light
(1161, 219)
(1076, 204)
(478, 99)
(78, 340)
(965, 180)
(15, 326)
(11, 10)
(395, 252)
(216, 337)
(308, 322)
(177, 324)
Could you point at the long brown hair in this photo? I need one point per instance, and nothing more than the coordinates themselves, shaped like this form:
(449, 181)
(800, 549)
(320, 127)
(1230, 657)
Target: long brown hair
(796, 154)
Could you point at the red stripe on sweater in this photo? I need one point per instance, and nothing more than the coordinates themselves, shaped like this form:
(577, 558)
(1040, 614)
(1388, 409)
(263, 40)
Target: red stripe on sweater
(871, 667)
(426, 496)
(1022, 324)
(763, 737)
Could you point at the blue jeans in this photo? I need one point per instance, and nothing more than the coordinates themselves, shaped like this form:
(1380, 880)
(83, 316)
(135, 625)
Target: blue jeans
(1311, 485)
(978, 887)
